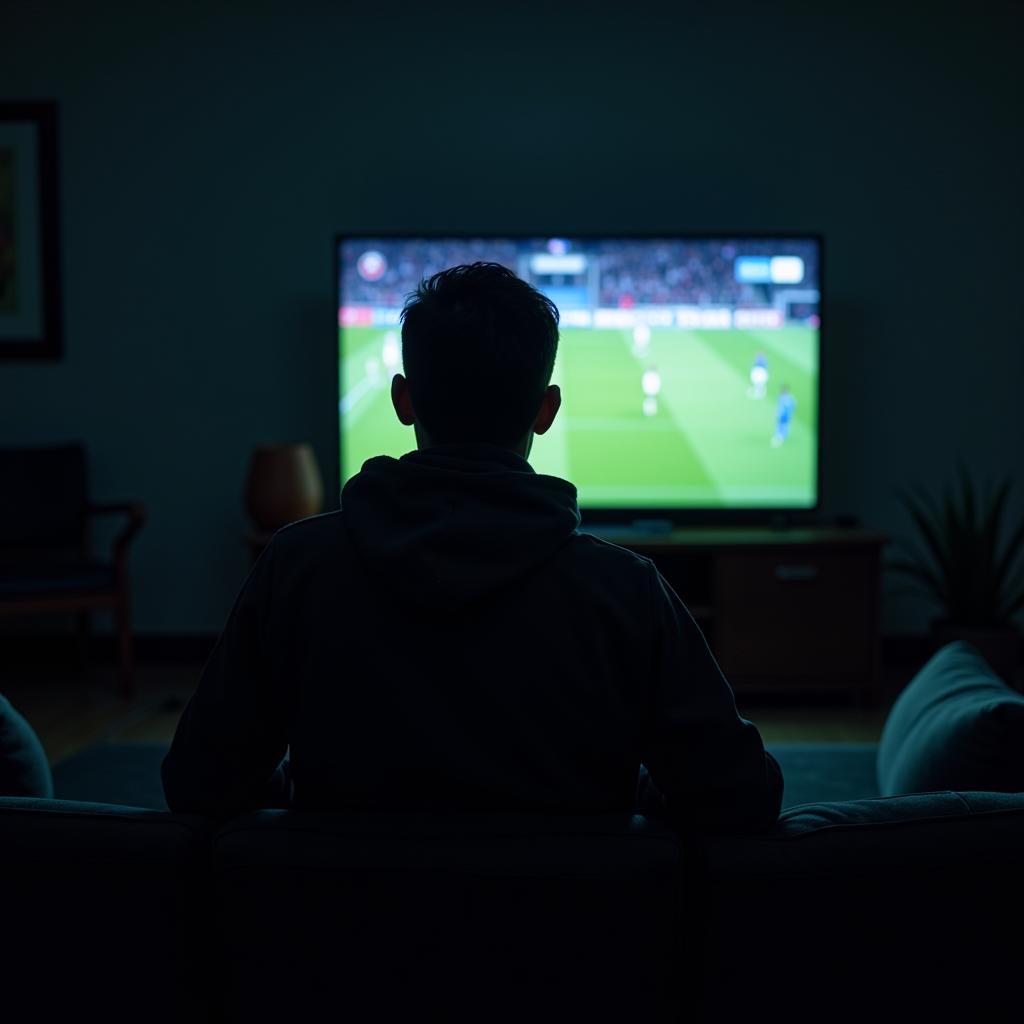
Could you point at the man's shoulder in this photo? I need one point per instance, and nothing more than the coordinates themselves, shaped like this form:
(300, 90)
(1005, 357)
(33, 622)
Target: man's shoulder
(310, 534)
(609, 557)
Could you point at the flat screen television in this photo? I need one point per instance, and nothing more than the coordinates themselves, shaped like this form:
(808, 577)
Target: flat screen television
(689, 366)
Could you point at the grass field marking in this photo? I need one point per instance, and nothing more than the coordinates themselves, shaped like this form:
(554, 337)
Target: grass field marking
(782, 371)
(734, 433)
(611, 423)
(798, 425)
(352, 404)
(686, 437)
(359, 357)
(350, 400)
(768, 494)
(704, 433)
(549, 455)
(799, 346)
(600, 380)
(660, 496)
(618, 454)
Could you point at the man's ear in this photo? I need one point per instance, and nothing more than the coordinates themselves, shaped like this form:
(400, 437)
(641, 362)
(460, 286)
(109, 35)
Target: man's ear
(402, 400)
(549, 406)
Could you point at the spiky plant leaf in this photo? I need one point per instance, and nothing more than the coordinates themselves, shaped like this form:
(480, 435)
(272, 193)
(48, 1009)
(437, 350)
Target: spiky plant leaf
(967, 494)
(1013, 605)
(926, 517)
(1012, 600)
(958, 566)
(1014, 547)
(978, 597)
(988, 562)
(932, 581)
(964, 567)
(904, 591)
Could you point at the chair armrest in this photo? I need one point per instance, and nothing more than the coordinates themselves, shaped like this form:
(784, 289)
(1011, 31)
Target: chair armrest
(136, 513)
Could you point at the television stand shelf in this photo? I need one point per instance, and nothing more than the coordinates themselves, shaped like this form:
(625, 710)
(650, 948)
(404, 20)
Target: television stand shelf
(792, 609)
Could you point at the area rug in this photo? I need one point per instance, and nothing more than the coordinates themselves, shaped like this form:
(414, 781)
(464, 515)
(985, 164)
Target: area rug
(826, 772)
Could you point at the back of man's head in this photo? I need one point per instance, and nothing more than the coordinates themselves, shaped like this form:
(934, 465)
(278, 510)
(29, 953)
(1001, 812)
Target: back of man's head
(478, 349)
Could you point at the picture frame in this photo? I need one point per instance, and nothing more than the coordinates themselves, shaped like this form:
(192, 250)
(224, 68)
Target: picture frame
(30, 287)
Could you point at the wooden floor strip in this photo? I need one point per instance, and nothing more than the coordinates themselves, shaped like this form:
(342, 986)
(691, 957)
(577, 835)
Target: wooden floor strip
(72, 708)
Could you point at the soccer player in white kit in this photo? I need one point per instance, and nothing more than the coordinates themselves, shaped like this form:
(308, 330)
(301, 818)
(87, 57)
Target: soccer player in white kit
(641, 339)
(651, 383)
(391, 354)
(758, 377)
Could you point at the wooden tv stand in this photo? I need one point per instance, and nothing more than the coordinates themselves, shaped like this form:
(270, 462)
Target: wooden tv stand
(793, 609)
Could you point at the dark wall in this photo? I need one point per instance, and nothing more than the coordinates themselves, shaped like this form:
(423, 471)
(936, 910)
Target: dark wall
(207, 162)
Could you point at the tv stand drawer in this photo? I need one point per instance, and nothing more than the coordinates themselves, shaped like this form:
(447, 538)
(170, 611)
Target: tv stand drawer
(795, 614)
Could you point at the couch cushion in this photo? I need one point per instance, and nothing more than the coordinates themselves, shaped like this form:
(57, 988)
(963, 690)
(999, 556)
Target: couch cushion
(459, 918)
(956, 725)
(24, 768)
(103, 913)
(891, 909)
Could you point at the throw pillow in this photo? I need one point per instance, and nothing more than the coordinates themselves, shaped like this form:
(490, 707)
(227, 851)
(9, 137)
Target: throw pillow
(24, 769)
(956, 726)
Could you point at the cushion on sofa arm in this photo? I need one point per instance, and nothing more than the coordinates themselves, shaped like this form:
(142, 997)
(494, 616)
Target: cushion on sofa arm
(956, 726)
(24, 768)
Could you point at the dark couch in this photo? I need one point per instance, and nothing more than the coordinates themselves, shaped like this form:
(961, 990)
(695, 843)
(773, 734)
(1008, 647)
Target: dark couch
(904, 907)
(909, 903)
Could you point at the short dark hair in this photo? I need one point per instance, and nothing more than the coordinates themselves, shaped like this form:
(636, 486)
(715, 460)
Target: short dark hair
(465, 326)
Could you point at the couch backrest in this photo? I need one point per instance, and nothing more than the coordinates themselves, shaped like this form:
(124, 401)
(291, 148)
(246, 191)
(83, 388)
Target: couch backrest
(495, 918)
(905, 907)
(892, 909)
(102, 912)
(44, 494)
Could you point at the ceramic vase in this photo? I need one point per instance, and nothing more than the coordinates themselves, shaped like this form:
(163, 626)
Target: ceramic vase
(283, 485)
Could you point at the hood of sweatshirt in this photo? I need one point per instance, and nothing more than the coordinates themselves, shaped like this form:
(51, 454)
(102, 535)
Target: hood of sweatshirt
(447, 525)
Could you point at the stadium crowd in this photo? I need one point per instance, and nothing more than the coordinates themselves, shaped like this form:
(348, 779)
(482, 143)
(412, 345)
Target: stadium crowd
(409, 262)
(640, 272)
(687, 273)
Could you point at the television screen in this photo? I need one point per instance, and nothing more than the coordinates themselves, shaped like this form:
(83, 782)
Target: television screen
(688, 366)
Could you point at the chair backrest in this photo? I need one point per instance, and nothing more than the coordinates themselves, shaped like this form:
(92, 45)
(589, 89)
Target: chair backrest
(44, 497)
(494, 918)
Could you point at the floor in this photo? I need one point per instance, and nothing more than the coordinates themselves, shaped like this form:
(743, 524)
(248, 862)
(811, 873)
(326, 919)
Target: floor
(72, 707)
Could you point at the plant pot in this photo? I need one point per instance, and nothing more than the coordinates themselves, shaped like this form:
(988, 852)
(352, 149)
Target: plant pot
(998, 645)
(283, 485)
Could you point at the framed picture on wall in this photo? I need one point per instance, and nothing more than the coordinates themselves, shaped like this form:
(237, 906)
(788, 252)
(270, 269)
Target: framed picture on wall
(30, 319)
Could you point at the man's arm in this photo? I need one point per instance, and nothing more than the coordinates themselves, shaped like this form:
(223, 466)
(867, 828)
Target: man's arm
(227, 752)
(708, 764)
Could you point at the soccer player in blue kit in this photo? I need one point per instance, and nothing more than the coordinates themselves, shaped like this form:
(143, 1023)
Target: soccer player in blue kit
(783, 415)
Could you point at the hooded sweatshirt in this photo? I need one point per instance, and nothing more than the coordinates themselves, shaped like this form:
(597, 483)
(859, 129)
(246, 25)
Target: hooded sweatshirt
(451, 640)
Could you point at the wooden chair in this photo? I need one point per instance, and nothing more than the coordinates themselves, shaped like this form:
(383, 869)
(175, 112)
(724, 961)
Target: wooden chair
(46, 558)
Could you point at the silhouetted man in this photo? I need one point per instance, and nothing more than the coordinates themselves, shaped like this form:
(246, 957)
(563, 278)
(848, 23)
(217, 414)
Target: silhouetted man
(449, 639)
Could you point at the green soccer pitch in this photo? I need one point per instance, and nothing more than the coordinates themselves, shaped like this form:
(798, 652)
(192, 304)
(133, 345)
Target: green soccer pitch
(707, 443)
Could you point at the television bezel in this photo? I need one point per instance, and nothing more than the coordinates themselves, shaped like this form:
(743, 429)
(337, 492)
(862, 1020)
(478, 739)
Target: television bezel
(643, 518)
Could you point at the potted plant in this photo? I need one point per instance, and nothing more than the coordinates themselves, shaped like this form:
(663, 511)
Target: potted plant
(961, 560)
